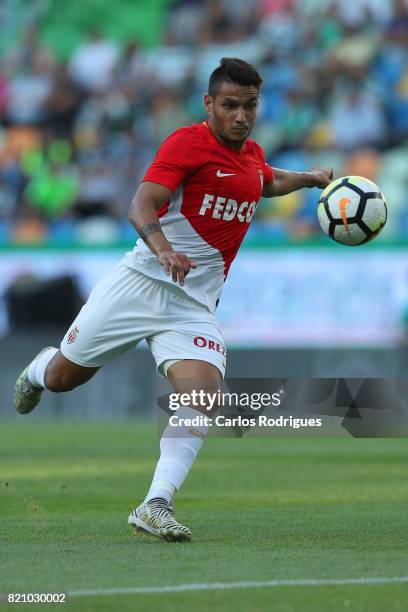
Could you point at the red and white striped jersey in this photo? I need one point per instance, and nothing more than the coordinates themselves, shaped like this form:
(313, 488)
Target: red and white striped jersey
(215, 192)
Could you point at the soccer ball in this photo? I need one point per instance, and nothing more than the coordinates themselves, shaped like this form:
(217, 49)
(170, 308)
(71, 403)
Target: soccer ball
(352, 210)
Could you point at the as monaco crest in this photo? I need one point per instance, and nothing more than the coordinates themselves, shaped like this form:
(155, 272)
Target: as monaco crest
(261, 178)
(72, 336)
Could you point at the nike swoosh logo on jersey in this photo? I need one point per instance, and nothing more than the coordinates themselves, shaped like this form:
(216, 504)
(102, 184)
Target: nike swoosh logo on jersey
(221, 174)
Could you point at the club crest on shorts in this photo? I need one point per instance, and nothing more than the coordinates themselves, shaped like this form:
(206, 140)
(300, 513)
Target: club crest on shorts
(73, 333)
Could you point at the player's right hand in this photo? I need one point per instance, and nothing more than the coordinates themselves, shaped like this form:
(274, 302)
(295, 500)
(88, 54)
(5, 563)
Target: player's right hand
(176, 264)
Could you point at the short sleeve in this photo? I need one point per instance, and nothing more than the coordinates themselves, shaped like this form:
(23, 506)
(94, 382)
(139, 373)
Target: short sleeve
(268, 171)
(269, 174)
(175, 160)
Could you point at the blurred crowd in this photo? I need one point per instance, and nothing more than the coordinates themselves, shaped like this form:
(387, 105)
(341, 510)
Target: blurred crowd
(77, 136)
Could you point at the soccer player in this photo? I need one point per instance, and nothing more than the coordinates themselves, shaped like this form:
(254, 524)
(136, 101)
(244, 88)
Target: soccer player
(192, 211)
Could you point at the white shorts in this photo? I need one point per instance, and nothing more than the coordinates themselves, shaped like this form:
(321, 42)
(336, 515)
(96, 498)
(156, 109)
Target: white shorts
(127, 306)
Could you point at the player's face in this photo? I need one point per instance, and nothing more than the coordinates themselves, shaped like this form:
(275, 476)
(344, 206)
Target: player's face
(232, 112)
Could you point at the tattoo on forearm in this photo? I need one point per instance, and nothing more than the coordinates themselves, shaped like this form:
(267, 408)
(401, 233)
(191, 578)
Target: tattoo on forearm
(148, 229)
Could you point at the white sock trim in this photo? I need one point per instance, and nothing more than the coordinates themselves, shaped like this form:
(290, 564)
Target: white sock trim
(161, 488)
(36, 369)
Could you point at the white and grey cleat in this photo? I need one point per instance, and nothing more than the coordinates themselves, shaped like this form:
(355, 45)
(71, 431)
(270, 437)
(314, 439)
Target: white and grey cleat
(26, 395)
(156, 517)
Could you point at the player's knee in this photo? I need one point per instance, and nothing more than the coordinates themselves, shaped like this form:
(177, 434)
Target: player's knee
(206, 397)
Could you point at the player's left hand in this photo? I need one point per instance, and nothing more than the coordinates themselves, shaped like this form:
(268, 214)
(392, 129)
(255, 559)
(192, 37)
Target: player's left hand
(320, 177)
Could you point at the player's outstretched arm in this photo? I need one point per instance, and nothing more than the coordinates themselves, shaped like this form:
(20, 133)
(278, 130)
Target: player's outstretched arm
(149, 198)
(285, 182)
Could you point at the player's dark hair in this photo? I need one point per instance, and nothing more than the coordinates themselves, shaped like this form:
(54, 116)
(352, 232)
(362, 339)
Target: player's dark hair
(233, 70)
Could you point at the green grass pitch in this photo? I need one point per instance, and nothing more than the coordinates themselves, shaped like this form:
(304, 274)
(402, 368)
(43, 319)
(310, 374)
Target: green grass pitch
(259, 509)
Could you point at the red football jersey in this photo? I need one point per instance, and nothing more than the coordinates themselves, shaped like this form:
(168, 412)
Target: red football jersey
(215, 192)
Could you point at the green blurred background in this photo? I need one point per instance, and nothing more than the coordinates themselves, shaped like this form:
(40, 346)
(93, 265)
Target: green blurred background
(88, 91)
